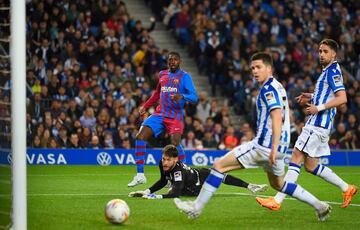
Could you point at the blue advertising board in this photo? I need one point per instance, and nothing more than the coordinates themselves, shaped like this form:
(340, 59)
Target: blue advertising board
(126, 157)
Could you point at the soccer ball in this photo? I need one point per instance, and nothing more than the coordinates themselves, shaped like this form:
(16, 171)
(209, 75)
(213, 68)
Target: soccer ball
(117, 211)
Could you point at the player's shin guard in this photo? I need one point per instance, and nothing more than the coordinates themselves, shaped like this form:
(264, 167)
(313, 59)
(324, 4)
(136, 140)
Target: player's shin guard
(182, 156)
(291, 176)
(211, 184)
(140, 151)
(301, 194)
(331, 177)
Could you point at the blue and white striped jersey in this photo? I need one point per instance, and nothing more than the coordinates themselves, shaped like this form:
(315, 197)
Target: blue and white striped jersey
(272, 96)
(329, 82)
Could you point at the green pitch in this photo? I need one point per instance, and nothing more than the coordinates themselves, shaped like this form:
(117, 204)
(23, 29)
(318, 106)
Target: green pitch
(74, 197)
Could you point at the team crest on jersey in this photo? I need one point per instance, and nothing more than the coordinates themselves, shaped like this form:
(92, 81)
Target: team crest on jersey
(177, 176)
(270, 98)
(337, 80)
(176, 81)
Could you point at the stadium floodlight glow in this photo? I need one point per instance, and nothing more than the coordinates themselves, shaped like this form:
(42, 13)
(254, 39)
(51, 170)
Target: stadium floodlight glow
(18, 112)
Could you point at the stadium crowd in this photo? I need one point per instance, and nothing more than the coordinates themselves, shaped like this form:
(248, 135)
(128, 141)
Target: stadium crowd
(222, 35)
(90, 65)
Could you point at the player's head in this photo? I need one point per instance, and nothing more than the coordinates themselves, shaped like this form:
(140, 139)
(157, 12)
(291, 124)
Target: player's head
(169, 157)
(261, 66)
(327, 51)
(173, 61)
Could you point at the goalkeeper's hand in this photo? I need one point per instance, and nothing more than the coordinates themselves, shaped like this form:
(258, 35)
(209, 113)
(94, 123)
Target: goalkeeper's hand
(139, 193)
(152, 196)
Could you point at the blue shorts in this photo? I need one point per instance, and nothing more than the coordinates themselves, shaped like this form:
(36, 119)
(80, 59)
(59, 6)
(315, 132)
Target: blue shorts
(159, 123)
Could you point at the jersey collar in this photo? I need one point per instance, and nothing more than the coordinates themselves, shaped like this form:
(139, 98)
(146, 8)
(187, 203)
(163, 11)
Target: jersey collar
(324, 69)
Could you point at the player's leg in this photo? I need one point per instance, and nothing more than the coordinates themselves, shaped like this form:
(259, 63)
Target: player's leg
(274, 203)
(140, 151)
(313, 166)
(175, 128)
(292, 189)
(175, 140)
(306, 140)
(212, 183)
(151, 126)
(235, 181)
(316, 147)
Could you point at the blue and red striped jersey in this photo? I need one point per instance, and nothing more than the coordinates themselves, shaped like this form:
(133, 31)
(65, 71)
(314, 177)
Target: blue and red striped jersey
(179, 82)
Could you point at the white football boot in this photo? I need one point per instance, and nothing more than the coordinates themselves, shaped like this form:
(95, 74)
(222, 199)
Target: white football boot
(188, 207)
(324, 213)
(255, 188)
(138, 179)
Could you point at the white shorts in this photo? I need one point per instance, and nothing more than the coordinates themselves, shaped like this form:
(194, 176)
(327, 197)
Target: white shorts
(252, 155)
(313, 141)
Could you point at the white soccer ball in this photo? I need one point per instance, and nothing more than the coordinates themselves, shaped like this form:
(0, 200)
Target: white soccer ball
(117, 211)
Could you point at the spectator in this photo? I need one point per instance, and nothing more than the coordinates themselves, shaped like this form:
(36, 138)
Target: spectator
(74, 141)
(95, 142)
(209, 141)
(63, 139)
(36, 143)
(88, 118)
(203, 107)
(230, 141)
(190, 142)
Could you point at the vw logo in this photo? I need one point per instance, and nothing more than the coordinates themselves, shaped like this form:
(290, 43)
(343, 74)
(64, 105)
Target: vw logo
(199, 159)
(103, 159)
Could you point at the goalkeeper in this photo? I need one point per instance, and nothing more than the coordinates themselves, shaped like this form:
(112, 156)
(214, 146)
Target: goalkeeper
(186, 181)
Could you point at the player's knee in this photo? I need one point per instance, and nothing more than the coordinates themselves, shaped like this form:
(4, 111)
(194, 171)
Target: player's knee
(297, 157)
(308, 168)
(140, 136)
(276, 185)
(218, 165)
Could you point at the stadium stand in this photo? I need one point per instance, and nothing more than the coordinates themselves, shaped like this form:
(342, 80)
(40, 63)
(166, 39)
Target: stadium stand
(90, 65)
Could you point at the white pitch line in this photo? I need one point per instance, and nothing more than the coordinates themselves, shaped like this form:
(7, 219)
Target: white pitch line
(114, 194)
(151, 174)
(287, 198)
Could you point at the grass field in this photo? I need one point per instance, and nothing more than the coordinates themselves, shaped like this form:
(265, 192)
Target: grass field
(73, 197)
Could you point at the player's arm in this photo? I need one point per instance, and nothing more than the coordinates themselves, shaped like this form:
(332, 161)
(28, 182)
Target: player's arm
(304, 98)
(336, 84)
(154, 97)
(160, 183)
(189, 93)
(178, 184)
(155, 187)
(175, 190)
(272, 99)
(276, 118)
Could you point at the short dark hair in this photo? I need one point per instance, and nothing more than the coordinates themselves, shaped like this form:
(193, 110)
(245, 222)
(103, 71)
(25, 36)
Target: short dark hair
(331, 43)
(263, 56)
(170, 151)
(174, 53)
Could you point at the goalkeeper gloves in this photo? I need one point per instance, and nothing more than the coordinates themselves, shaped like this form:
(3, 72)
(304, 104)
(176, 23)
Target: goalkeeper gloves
(152, 196)
(139, 193)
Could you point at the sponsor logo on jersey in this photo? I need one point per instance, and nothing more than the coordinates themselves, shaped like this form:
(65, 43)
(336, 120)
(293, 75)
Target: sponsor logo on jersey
(177, 176)
(270, 98)
(337, 80)
(168, 89)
